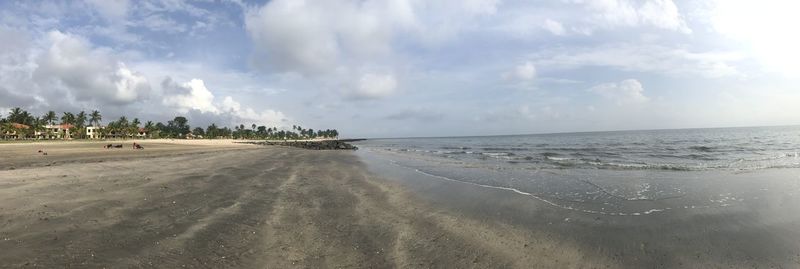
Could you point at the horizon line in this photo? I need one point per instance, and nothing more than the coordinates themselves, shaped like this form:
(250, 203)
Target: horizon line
(583, 132)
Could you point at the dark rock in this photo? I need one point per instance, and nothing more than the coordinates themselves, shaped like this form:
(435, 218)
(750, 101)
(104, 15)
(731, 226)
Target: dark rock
(313, 145)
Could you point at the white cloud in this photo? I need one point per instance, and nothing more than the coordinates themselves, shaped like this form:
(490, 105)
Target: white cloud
(525, 71)
(373, 86)
(763, 28)
(129, 84)
(228, 104)
(554, 27)
(663, 14)
(193, 96)
(521, 76)
(189, 95)
(155, 6)
(266, 117)
(160, 23)
(313, 38)
(287, 40)
(629, 91)
(339, 39)
(644, 58)
(89, 74)
(113, 10)
(657, 13)
(14, 41)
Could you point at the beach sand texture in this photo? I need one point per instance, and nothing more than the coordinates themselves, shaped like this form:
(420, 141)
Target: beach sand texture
(223, 205)
(218, 204)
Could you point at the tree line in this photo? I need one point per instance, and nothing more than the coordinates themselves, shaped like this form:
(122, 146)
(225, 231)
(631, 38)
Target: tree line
(23, 124)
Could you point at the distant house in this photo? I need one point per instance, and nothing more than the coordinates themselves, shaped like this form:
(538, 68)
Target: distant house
(14, 134)
(94, 132)
(142, 133)
(59, 131)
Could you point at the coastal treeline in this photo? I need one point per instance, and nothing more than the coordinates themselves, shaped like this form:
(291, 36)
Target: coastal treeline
(21, 124)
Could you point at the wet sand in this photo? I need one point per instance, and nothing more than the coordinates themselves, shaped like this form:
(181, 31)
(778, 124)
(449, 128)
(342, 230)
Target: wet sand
(724, 219)
(223, 205)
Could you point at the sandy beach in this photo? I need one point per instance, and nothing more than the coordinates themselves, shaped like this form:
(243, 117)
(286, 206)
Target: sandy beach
(225, 205)
(217, 204)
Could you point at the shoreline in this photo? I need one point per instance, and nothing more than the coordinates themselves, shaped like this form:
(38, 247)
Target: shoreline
(231, 205)
(751, 229)
(239, 206)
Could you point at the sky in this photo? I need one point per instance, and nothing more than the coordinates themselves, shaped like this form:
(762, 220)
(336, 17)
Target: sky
(398, 68)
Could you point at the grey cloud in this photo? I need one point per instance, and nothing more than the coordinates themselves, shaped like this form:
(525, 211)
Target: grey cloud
(88, 74)
(12, 99)
(417, 115)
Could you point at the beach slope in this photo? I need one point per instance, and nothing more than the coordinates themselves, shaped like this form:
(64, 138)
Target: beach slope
(225, 205)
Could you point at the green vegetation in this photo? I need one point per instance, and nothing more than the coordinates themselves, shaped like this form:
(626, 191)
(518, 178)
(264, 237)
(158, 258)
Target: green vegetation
(20, 124)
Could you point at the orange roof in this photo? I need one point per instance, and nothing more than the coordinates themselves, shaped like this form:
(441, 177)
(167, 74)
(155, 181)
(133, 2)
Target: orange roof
(66, 126)
(20, 126)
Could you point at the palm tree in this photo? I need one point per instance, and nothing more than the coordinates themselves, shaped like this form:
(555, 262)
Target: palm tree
(38, 126)
(80, 123)
(68, 118)
(122, 125)
(15, 115)
(148, 127)
(95, 118)
(212, 131)
(260, 132)
(6, 128)
(80, 119)
(111, 127)
(50, 117)
(134, 127)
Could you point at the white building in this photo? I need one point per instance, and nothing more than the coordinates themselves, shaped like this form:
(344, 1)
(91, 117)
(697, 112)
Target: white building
(94, 132)
(59, 131)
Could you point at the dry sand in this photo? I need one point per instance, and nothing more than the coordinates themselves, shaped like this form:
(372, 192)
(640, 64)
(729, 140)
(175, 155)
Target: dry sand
(223, 205)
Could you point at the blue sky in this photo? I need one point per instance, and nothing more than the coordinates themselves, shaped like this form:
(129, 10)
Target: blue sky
(408, 67)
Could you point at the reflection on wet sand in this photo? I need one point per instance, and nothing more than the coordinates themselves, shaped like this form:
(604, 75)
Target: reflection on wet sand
(641, 219)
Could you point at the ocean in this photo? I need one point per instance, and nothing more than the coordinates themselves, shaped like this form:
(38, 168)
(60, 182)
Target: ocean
(621, 173)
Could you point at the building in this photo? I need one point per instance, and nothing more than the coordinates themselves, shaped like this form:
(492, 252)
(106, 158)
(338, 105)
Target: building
(59, 131)
(18, 131)
(142, 133)
(94, 132)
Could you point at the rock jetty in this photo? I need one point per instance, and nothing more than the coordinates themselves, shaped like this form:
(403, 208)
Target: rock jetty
(315, 145)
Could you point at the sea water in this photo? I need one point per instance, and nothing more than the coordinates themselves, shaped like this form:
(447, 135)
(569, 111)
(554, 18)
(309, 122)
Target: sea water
(624, 173)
